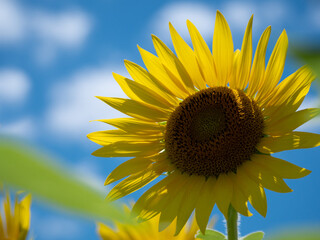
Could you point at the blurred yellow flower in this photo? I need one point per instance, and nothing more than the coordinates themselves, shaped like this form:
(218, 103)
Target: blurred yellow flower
(146, 231)
(211, 120)
(15, 224)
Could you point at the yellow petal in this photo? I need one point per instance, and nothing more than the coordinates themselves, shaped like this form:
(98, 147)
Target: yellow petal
(280, 167)
(173, 66)
(133, 125)
(138, 92)
(239, 201)
(207, 199)
(258, 66)
(15, 218)
(143, 77)
(127, 168)
(223, 190)
(151, 202)
(175, 195)
(129, 149)
(108, 137)
(266, 178)
(275, 66)
(136, 109)
(107, 233)
(2, 230)
(253, 191)
(203, 55)
(245, 59)
(222, 50)
(24, 216)
(191, 230)
(290, 122)
(236, 62)
(187, 57)
(190, 198)
(7, 213)
(289, 94)
(157, 70)
(289, 141)
(134, 182)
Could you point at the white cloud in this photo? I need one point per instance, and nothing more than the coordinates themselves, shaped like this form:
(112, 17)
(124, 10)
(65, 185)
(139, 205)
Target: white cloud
(267, 13)
(12, 22)
(201, 15)
(73, 103)
(54, 31)
(14, 85)
(313, 15)
(67, 29)
(50, 31)
(238, 13)
(22, 128)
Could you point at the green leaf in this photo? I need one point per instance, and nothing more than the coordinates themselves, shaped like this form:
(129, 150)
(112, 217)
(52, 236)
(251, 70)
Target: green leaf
(294, 234)
(211, 235)
(253, 236)
(29, 170)
(309, 56)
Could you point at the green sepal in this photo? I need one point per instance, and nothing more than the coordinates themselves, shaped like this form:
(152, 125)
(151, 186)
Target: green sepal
(253, 236)
(211, 235)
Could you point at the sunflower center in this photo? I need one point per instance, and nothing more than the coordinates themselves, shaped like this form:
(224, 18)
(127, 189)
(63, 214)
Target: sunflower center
(213, 131)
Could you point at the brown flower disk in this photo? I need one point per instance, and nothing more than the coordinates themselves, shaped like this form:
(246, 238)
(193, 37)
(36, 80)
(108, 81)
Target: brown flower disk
(213, 131)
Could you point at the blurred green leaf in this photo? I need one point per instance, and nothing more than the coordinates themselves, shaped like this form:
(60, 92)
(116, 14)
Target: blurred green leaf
(309, 56)
(212, 235)
(32, 171)
(294, 235)
(253, 236)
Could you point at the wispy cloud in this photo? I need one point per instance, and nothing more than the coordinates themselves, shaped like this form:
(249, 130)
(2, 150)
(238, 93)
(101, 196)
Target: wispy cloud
(73, 103)
(68, 29)
(14, 86)
(49, 31)
(54, 31)
(12, 22)
(201, 15)
(265, 13)
(314, 15)
(21, 128)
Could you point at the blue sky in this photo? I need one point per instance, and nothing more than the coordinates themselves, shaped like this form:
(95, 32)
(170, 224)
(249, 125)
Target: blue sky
(55, 56)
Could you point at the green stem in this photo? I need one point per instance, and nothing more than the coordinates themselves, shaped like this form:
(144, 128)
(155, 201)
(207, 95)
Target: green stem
(232, 224)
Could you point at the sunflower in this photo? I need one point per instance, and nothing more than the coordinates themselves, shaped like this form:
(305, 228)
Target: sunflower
(208, 121)
(17, 223)
(146, 231)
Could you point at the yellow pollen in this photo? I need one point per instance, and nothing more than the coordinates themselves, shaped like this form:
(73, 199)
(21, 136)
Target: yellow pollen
(213, 131)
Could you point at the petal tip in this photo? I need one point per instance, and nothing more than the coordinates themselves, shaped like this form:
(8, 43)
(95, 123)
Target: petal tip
(108, 181)
(189, 23)
(306, 172)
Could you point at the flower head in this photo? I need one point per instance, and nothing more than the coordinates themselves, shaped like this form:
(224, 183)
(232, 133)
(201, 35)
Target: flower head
(15, 224)
(211, 121)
